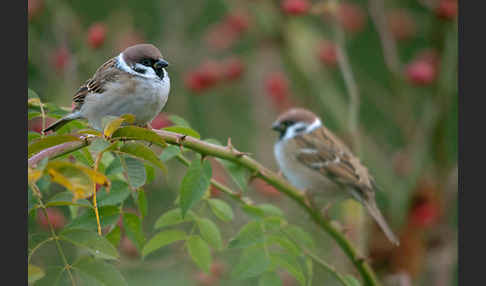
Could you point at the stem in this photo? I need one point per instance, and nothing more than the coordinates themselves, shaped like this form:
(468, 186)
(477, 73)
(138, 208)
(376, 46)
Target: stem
(97, 162)
(326, 266)
(67, 266)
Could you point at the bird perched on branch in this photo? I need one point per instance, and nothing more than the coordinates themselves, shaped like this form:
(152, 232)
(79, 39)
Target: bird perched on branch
(134, 82)
(312, 158)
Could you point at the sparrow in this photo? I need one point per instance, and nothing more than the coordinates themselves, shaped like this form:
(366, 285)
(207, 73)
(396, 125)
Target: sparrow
(134, 82)
(312, 158)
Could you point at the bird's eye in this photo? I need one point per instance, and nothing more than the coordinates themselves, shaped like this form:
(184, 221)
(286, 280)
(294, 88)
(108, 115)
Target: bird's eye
(288, 123)
(146, 62)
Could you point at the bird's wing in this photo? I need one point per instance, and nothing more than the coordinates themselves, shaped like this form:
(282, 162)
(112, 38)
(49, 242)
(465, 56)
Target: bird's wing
(106, 73)
(323, 152)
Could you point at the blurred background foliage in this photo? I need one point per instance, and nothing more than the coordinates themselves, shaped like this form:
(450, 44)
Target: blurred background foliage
(235, 65)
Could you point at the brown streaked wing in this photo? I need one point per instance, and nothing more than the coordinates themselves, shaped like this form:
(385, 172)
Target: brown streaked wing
(333, 159)
(105, 73)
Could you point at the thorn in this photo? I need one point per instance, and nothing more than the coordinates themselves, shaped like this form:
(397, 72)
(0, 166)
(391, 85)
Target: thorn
(203, 156)
(179, 140)
(234, 151)
(325, 211)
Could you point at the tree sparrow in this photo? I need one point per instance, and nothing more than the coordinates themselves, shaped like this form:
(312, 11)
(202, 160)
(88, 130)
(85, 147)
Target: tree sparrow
(312, 158)
(133, 82)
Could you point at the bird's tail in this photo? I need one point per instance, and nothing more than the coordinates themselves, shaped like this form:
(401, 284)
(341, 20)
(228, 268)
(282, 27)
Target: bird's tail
(380, 220)
(61, 122)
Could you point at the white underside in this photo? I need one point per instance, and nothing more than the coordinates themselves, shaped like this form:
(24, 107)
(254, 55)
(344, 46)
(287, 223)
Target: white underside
(142, 97)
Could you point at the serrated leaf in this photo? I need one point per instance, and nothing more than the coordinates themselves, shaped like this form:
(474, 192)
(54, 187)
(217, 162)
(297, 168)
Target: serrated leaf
(252, 263)
(66, 199)
(238, 173)
(104, 273)
(119, 192)
(173, 217)
(139, 133)
(199, 251)
(183, 130)
(133, 229)
(169, 153)
(248, 235)
(34, 273)
(108, 216)
(143, 152)
(221, 209)
(351, 281)
(114, 124)
(210, 232)
(284, 243)
(162, 239)
(135, 171)
(194, 184)
(177, 120)
(91, 241)
(142, 203)
(290, 264)
(270, 279)
(114, 236)
(49, 141)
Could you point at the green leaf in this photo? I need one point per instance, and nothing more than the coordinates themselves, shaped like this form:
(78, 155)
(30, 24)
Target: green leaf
(296, 233)
(133, 228)
(49, 141)
(31, 94)
(66, 199)
(210, 232)
(271, 210)
(119, 191)
(115, 167)
(139, 133)
(253, 211)
(194, 184)
(91, 241)
(173, 217)
(104, 273)
(162, 239)
(252, 263)
(34, 273)
(150, 171)
(143, 152)
(169, 153)
(114, 236)
(108, 216)
(290, 264)
(177, 120)
(98, 145)
(274, 223)
(248, 235)
(284, 243)
(199, 252)
(142, 202)
(221, 209)
(270, 279)
(183, 130)
(32, 135)
(33, 114)
(351, 281)
(135, 171)
(238, 173)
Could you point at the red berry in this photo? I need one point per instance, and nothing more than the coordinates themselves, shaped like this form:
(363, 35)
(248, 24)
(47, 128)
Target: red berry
(55, 216)
(160, 121)
(401, 24)
(34, 8)
(96, 35)
(421, 72)
(296, 7)
(277, 88)
(128, 248)
(237, 21)
(447, 9)
(328, 53)
(218, 269)
(352, 17)
(233, 68)
(425, 214)
(204, 77)
(60, 59)
(265, 189)
(221, 36)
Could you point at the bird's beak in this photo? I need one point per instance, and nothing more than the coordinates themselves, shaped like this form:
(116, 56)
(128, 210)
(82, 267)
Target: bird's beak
(160, 63)
(277, 126)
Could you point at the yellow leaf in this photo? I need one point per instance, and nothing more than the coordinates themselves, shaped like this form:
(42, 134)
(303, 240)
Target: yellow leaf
(34, 175)
(116, 123)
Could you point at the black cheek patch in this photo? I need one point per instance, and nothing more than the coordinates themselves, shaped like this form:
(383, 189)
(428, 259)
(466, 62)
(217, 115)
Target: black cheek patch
(139, 70)
(160, 73)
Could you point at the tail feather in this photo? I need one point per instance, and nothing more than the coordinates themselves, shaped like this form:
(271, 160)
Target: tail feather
(380, 220)
(61, 122)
